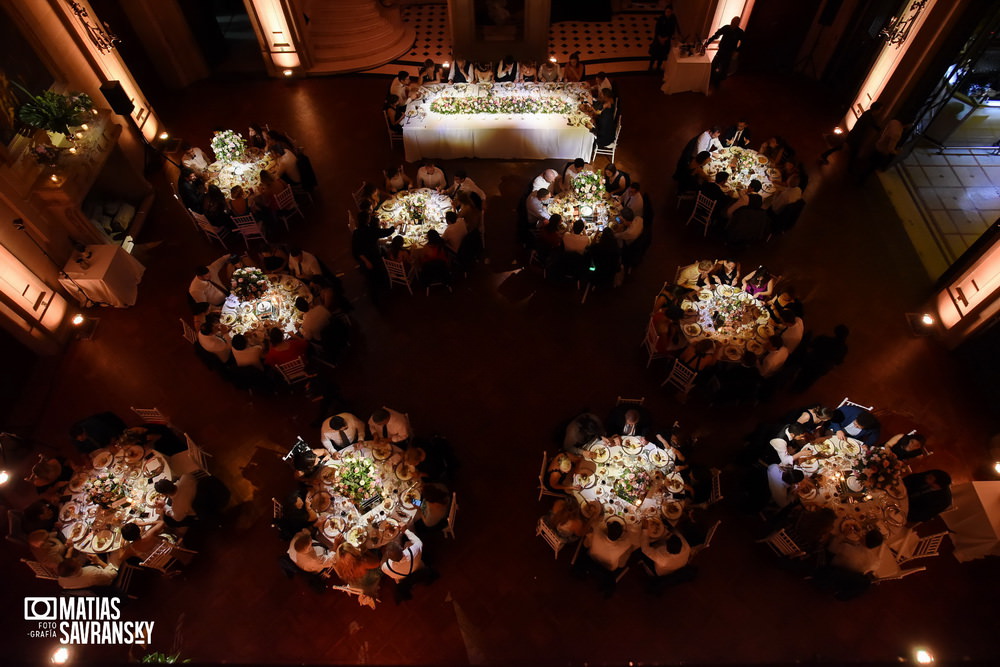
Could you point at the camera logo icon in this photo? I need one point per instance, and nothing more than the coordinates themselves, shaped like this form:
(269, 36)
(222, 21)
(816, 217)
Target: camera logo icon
(41, 609)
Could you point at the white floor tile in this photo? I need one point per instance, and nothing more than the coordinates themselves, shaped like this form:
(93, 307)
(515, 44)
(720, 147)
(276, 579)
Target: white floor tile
(941, 176)
(971, 176)
(968, 222)
(951, 197)
(993, 173)
(988, 160)
(985, 197)
(925, 157)
(929, 198)
(943, 222)
(916, 176)
(990, 215)
(962, 160)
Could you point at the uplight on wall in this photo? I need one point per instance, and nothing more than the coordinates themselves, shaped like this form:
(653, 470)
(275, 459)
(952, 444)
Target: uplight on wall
(60, 656)
(4, 477)
(922, 656)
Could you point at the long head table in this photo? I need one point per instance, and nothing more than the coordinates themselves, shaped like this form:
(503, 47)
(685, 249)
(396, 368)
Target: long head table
(488, 121)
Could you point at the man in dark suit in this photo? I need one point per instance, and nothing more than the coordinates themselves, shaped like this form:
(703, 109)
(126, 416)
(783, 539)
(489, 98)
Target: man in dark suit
(732, 39)
(630, 420)
(856, 423)
(929, 494)
(713, 190)
(738, 135)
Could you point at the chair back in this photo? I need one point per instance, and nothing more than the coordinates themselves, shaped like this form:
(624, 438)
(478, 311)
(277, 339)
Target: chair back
(249, 228)
(161, 558)
(651, 342)
(40, 569)
(358, 194)
(631, 401)
(188, 332)
(716, 494)
(848, 401)
(681, 377)
(704, 209)
(783, 544)
(123, 582)
(924, 548)
(197, 454)
(277, 509)
(151, 416)
(397, 273)
(293, 371)
(212, 232)
(611, 148)
(550, 536)
(285, 200)
(711, 534)
(15, 528)
(542, 489)
(449, 528)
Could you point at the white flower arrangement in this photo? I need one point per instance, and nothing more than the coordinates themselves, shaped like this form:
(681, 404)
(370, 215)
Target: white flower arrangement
(229, 146)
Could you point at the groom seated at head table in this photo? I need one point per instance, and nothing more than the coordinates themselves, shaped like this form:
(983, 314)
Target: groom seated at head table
(387, 425)
(341, 431)
(738, 135)
(855, 422)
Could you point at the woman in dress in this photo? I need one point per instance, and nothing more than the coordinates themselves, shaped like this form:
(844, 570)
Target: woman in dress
(469, 210)
(663, 33)
(813, 417)
(255, 137)
(436, 249)
(559, 476)
(527, 72)
(396, 180)
(726, 272)
(398, 253)
(506, 70)
(484, 73)
(273, 259)
(773, 149)
(461, 71)
(565, 519)
(699, 356)
(759, 283)
(394, 112)
(216, 208)
(430, 72)
(574, 70)
(615, 182)
(270, 188)
(907, 446)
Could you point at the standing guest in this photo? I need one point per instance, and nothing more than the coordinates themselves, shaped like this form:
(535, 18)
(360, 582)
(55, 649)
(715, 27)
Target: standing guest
(210, 341)
(302, 264)
(732, 40)
(316, 319)
(663, 34)
(574, 71)
(205, 290)
(246, 355)
(462, 183)
(575, 240)
(307, 555)
(387, 425)
(821, 356)
(179, 503)
(738, 135)
(548, 71)
(887, 147)
(929, 494)
(455, 231)
(506, 71)
(709, 140)
(282, 350)
(96, 574)
(632, 198)
(396, 180)
(616, 182)
(430, 176)
(341, 431)
(759, 283)
(365, 247)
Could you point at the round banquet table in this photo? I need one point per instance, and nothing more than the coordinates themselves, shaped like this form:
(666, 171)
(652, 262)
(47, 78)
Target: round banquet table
(743, 166)
(597, 214)
(254, 318)
(649, 469)
(859, 506)
(413, 213)
(389, 508)
(245, 173)
(744, 323)
(95, 528)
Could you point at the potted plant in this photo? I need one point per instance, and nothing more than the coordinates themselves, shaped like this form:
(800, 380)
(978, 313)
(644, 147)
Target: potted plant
(55, 112)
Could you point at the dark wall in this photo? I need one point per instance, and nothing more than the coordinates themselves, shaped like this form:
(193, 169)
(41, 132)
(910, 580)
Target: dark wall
(774, 34)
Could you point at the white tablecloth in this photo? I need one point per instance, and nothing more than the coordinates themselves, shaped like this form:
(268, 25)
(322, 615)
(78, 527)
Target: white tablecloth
(112, 278)
(976, 520)
(688, 73)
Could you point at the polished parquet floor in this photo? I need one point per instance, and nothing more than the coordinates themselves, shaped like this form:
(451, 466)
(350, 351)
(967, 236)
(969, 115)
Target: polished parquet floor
(495, 367)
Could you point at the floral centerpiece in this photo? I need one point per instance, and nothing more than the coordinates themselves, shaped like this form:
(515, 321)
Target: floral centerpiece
(249, 283)
(587, 198)
(229, 146)
(104, 490)
(738, 313)
(878, 467)
(55, 112)
(501, 104)
(355, 479)
(632, 485)
(46, 155)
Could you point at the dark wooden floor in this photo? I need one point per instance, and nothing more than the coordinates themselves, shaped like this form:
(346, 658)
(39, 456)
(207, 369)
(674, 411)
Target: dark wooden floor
(494, 368)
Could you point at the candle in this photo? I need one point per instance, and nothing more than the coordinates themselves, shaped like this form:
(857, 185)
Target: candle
(85, 127)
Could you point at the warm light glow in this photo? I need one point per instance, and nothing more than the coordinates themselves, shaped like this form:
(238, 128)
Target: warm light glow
(79, 135)
(996, 467)
(552, 59)
(927, 319)
(922, 656)
(288, 72)
(60, 656)
(77, 320)
(85, 127)
(446, 64)
(274, 26)
(164, 136)
(93, 111)
(4, 477)
(838, 130)
(72, 151)
(54, 178)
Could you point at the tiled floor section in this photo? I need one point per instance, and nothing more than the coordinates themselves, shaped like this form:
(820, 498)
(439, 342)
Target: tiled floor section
(957, 192)
(495, 369)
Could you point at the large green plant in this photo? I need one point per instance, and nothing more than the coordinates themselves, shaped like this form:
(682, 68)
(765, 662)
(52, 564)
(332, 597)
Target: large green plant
(161, 658)
(55, 112)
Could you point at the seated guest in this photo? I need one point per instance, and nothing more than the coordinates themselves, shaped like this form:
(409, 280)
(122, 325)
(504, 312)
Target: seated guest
(403, 558)
(191, 189)
(628, 419)
(812, 418)
(274, 259)
(247, 355)
(773, 149)
(667, 554)
(241, 204)
(570, 171)
(791, 194)
(929, 494)
(397, 252)
(785, 304)
(396, 180)
(483, 73)
(95, 574)
(537, 205)
(606, 257)
(713, 190)
(273, 137)
(49, 476)
(599, 83)
(857, 423)
(749, 224)
(302, 264)
(793, 332)
(759, 283)
(96, 431)
(666, 321)
(789, 443)
(287, 166)
(461, 71)
(782, 481)
(179, 504)
(773, 358)
(860, 558)
(469, 210)
(430, 176)
(699, 356)
(434, 260)
(221, 270)
(48, 548)
(709, 140)
(387, 425)
(697, 274)
(359, 569)
(194, 159)
(527, 72)
(216, 209)
(574, 71)
(138, 544)
(429, 72)
(205, 290)
(39, 515)
(365, 245)
(738, 135)
(559, 475)
(548, 72)
(725, 272)
(369, 198)
(580, 432)
(462, 183)
(255, 136)
(575, 240)
(906, 445)
(316, 319)
(213, 343)
(751, 194)
(566, 520)
(506, 71)
(609, 545)
(270, 187)
(546, 180)
(549, 238)
(308, 462)
(692, 175)
(603, 115)
(295, 515)
(435, 506)
(308, 555)
(341, 431)
(400, 86)
(282, 350)
(632, 227)
(632, 198)
(616, 182)
(455, 231)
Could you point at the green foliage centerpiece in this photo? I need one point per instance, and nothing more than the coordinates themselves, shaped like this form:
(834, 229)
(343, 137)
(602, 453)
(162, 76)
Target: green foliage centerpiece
(104, 490)
(355, 479)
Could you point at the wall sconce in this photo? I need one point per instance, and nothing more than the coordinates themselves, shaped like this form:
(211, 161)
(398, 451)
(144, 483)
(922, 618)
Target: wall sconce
(921, 324)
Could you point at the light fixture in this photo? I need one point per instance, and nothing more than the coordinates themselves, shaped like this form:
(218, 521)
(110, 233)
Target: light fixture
(446, 64)
(60, 656)
(54, 178)
(927, 319)
(4, 477)
(921, 324)
(922, 656)
(838, 130)
(100, 35)
(552, 59)
(79, 135)
(72, 151)
(287, 72)
(163, 136)
(85, 327)
(996, 467)
(78, 319)
(84, 127)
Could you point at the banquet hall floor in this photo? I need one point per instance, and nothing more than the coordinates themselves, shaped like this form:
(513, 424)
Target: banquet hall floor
(494, 367)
